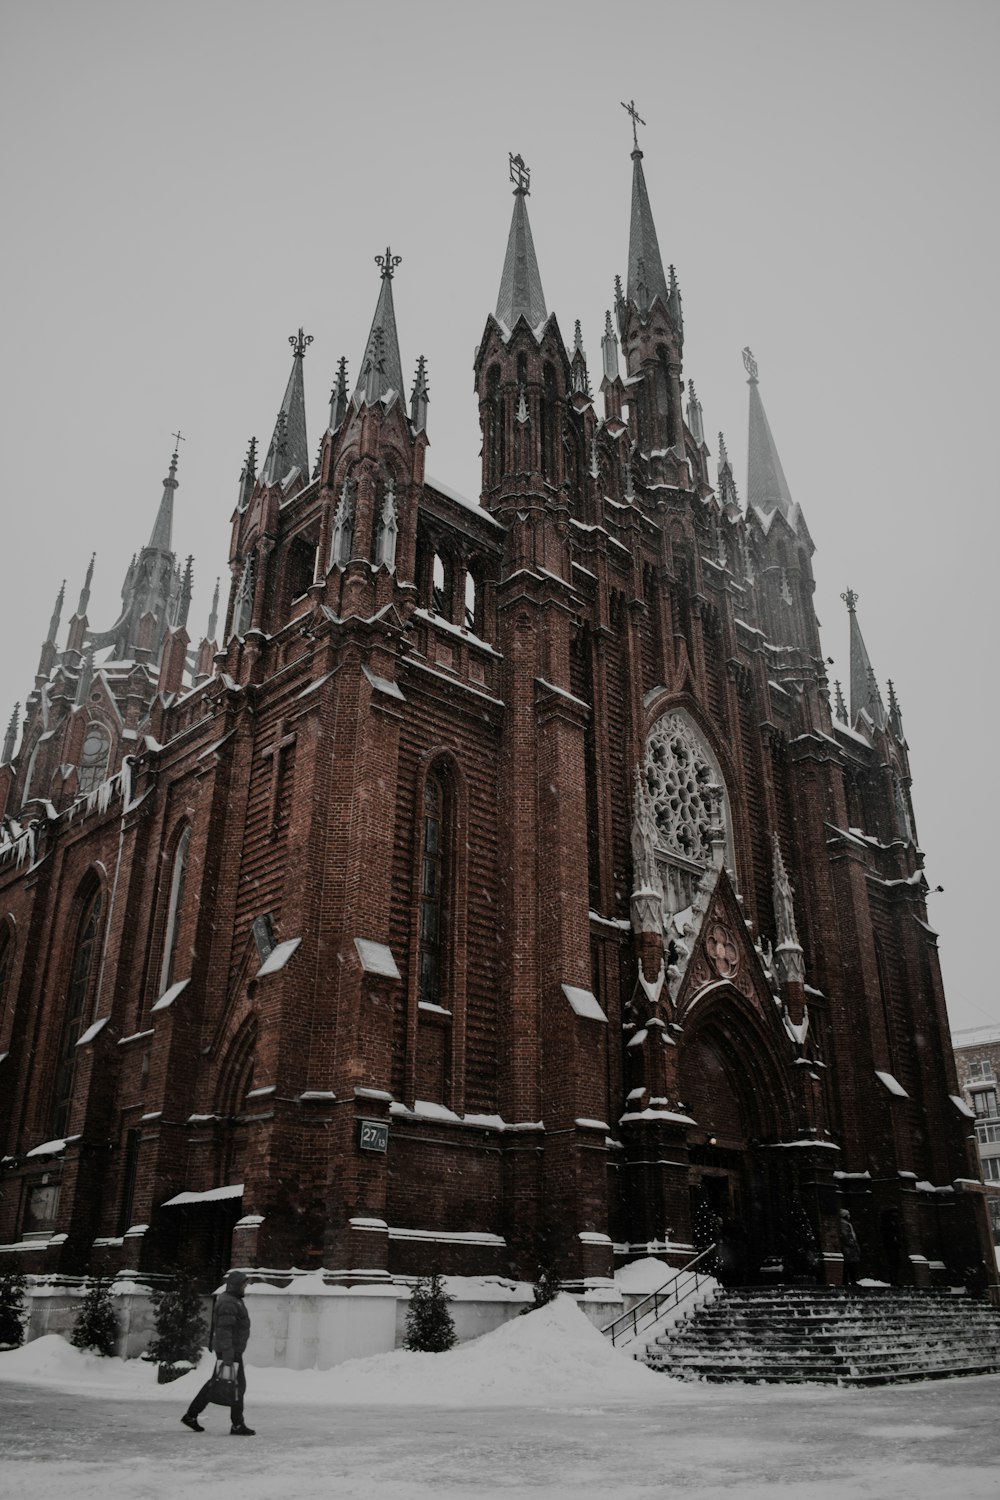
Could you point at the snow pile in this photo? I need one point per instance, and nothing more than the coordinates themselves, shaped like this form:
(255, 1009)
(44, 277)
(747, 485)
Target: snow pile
(640, 1277)
(551, 1357)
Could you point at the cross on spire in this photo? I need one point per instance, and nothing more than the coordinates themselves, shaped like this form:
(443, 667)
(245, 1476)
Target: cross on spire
(178, 439)
(520, 174)
(637, 119)
(388, 263)
(850, 599)
(749, 363)
(300, 343)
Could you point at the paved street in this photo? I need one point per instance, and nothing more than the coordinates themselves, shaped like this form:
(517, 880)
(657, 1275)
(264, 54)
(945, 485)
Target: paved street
(919, 1442)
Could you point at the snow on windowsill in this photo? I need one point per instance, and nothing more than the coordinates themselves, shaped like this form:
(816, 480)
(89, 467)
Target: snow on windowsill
(278, 957)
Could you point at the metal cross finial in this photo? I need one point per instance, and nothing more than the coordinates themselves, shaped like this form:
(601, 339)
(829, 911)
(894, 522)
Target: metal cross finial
(178, 439)
(850, 599)
(637, 119)
(749, 363)
(300, 343)
(388, 263)
(520, 175)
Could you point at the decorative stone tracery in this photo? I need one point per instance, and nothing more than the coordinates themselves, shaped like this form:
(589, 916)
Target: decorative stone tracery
(687, 800)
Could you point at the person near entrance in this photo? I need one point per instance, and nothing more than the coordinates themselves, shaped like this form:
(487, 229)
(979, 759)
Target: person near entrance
(230, 1332)
(849, 1248)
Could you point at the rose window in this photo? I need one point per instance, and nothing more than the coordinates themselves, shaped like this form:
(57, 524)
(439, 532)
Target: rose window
(688, 803)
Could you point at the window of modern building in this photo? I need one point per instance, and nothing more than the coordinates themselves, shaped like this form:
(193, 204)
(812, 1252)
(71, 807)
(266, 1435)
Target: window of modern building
(83, 971)
(988, 1135)
(980, 1070)
(984, 1102)
(991, 1169)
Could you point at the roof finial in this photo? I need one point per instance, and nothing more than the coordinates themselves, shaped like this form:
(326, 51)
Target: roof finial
(213, 619)
(839, 704)
(387, 263)
(300, 343)
(520, 175)
(850, 598)
(178, 438)
(630, 109)
(750, 364)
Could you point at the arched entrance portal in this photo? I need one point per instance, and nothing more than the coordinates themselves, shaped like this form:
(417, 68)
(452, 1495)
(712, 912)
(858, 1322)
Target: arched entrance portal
(733, 1087)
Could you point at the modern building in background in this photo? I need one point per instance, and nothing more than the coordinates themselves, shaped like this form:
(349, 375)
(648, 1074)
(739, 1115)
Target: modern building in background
(494, 885)
(977, 1057)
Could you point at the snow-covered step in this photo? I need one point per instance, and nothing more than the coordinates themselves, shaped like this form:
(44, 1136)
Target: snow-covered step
(831, 1335)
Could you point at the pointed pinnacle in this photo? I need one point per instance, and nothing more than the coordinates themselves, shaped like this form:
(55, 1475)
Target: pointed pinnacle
(10, 738)
(723, 455)
(841, 707)
(213, 619)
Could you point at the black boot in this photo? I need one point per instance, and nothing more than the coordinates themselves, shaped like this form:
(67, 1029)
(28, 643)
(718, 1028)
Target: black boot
(192, 1422)
(240, 1429)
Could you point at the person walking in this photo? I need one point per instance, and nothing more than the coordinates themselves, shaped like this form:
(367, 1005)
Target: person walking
(230, 1331)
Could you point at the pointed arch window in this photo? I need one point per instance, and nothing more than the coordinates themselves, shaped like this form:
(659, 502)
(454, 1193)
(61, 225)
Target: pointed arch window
(82, 976)
(342, 539)
(243, 607)
(440, 586)
(433, 886)
(96, 754)
(388, 529)
(175, 907)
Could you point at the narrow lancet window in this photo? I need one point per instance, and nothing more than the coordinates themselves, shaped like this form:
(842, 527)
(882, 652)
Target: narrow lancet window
(175, 904)
(80, 985)
(432, 884)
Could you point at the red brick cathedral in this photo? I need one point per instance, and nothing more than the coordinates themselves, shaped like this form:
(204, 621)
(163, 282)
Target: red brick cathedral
(501, 893)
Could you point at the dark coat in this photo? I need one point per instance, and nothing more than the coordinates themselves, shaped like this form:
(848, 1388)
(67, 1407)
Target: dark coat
(231, 1328)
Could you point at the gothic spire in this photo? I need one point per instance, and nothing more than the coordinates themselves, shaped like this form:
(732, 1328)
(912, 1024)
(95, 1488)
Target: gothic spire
(381, 370)
(187, 586)
(579, 377)
(339, 396)
(10, 738)
(695, 416)
(645, 267)
(213, 619)
(159, 540)
(248, 475)
(609, 349)
(840, 707)
(84, 604)
(419, 397)
(767, 487)
(520, 292)
(865, 695)
(895, 717)
(289, 448)
(57, 610)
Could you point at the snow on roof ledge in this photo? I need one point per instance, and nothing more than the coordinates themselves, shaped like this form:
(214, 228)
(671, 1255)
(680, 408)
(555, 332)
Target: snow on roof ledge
(92, 1031)
(47, 1148)
(278, 957)
(584, 1003)
(962, 1107)
(892, 1084)
(213, 1195)
(169, 996)
(376, 958)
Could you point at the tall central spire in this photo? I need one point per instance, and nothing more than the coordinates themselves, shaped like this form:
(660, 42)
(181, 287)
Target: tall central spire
(289, 449)
(160, 536)
(645, 267)
(381, 369)
(521, 292)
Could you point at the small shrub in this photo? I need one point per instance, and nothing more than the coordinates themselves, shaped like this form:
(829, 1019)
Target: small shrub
(96, 1325)
(13, 1286)
(180, 1325)
(429, 1326)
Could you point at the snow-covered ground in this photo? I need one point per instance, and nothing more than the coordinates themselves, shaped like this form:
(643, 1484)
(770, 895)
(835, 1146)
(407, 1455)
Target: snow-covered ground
(541, 1407)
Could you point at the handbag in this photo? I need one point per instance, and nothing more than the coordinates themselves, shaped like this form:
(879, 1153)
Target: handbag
(222, 1386)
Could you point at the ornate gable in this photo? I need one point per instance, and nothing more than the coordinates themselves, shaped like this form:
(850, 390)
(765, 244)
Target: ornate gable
(719, 950)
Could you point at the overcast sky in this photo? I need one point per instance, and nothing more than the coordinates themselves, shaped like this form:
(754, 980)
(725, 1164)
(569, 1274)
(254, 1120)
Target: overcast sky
(185, 184)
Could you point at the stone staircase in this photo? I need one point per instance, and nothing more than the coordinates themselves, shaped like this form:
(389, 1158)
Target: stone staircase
(831, 1335)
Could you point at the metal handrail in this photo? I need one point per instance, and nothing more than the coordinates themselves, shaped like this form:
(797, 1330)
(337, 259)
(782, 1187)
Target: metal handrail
(649, 1307)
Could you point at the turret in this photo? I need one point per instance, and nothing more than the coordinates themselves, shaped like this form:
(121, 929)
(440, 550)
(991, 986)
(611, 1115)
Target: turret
(522, 376)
